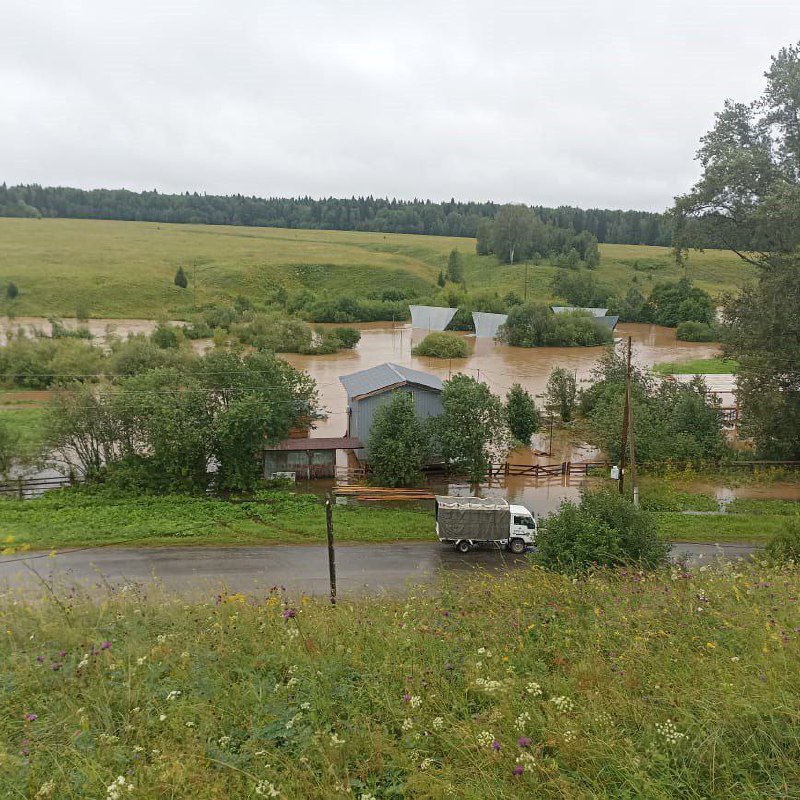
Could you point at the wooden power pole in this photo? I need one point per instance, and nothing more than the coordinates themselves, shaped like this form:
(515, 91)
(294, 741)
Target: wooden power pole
(625, 416)
(331, 551)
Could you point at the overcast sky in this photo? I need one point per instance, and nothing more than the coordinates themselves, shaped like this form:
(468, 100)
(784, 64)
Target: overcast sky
(590, 104)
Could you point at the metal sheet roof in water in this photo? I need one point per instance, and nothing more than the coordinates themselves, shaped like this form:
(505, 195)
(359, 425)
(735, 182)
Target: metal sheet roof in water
(486, 324)
(383, 376)
(431, 318)
(595, 312)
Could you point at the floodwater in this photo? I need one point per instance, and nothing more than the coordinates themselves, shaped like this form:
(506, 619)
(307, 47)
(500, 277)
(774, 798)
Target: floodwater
(497, 364)
(101, 329)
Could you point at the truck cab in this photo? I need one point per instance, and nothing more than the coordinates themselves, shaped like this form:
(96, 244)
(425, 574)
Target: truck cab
(523, 526)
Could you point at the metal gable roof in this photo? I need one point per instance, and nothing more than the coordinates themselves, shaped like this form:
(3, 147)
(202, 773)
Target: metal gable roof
(385, 375)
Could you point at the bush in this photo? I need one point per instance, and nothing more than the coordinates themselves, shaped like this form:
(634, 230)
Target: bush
(522, 415)
(535, 325)
(785, 546)
(397, 443)
(165, 337)
(349, 337)
(690, 331)
(442, 345)
(605, 529)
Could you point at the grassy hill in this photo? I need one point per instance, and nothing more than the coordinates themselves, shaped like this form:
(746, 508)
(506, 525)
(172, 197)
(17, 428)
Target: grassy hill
(126, 269)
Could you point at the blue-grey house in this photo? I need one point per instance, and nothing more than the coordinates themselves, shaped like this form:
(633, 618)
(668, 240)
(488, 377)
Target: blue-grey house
(366, 390)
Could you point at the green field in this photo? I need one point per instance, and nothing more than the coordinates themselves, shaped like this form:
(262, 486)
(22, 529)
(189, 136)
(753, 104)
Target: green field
(675, 684)
(126, 269)
(698, 366)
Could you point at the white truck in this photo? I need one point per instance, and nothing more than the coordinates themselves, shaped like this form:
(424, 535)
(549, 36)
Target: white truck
(468, 522)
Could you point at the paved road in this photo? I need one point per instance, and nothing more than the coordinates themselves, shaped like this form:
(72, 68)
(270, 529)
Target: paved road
(204, 571)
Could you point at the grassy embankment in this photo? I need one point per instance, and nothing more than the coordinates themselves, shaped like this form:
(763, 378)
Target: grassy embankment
(530, 685)
(83, 518)
(698, 366)
(126, 269)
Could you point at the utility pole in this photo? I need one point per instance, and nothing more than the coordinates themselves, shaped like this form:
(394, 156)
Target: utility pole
(625, 415)
(526, 281)
(634, 483)
(331, 551)
(550, 449)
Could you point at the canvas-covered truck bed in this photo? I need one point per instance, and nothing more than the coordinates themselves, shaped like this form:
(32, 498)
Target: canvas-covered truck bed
(478, 519)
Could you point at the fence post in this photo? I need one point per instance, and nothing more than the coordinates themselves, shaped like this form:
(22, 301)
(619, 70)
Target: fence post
(331, 551)
(20, 489)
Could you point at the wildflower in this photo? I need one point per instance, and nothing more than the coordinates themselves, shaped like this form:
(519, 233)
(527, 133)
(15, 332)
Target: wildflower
(524, 741)
(161, 638)
(84, 661)
(518, 770)
(486, 739)
(534, 689)
(224, 741)
(46, 789)
(305, 706)
(670, 733)
(162, 717)
(438, 723)
(522, 720)
(118, 788)
(289, 613)
(416, 701)
(141, 660)
(185, 655)
(40, 659)
(190, 724)
(336, 739)
(408, 724)
(106, 645)
(734, 658)
(266, 789)
(406, 698)
(31, 717)
(174, 694)
(367, 796)
(495, 745)
(292, 633)
(425, 763)
(563, 704)
(569, 736)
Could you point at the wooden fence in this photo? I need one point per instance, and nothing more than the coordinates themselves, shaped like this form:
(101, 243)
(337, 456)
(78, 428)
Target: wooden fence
(22, 488)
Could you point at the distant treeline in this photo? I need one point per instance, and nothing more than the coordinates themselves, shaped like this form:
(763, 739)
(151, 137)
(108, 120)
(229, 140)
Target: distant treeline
(350, 214)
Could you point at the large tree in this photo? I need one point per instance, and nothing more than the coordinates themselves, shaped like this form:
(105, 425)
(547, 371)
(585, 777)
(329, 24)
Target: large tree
(748, 200)
(472, 429)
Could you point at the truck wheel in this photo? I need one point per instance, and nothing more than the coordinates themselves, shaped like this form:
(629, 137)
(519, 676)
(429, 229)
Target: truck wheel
(463, 546)
(517, 546)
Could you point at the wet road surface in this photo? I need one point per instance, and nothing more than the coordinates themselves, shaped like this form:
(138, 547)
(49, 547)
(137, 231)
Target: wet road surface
(205, 571)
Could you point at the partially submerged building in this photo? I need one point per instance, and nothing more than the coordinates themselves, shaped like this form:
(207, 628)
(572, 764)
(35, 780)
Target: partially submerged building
(600, 314)
(306, 458)
(370, 388)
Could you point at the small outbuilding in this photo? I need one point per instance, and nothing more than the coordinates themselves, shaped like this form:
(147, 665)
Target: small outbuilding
(306, 458)
(368, 389)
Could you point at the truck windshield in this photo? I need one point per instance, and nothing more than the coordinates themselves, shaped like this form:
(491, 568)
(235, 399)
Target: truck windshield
(526, 521)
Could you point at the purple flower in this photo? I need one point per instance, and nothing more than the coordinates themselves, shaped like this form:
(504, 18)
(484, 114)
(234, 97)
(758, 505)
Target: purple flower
(106, 645)
(23, 747)
(55, 666)
(518, 770)
(289, 613)
(40, 659)
(407, 697)
(62, 654)
(31, 717)
(495, 745)
(524, 741)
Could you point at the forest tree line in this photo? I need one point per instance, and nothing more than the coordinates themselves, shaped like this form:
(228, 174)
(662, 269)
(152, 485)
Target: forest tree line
(450, 218)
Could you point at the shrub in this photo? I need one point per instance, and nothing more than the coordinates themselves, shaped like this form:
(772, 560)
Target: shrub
(785, 546)
(11, 291)
(690, 331)
(165, 337)
(397, 443)
(180, 278)
(522, 415)
(535, 325)
(442, 345)
(604, 529)
(561, 393)
(349, 337)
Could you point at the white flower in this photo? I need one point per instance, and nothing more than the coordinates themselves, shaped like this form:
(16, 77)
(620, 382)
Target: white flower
(438, 723)
(534, 689)
(670, 733)
(46, 789)
(563, 704)
(367, 796)
(141, 660)
(174, 694)
(425, 763)
(118, 788)
(224, 741)
(569, 736)
(266, 789)
(521, 721)
(526, 757)
(162, 717)
(336, 739)
(185, 655)
(292, 633)
(161, 638)
(416, 701)
(190, 724)
(485, 738)
(305, 706)
(408, 724)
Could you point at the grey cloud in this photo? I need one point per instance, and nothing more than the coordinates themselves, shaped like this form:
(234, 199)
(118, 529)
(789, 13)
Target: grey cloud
(591, 104)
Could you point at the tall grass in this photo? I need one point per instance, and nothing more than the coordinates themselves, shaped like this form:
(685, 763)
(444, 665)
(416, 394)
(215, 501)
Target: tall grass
(676, 684)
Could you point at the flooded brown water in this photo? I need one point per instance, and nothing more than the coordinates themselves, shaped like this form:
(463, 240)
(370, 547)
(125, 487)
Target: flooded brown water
(101, 329)
(497, 364)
